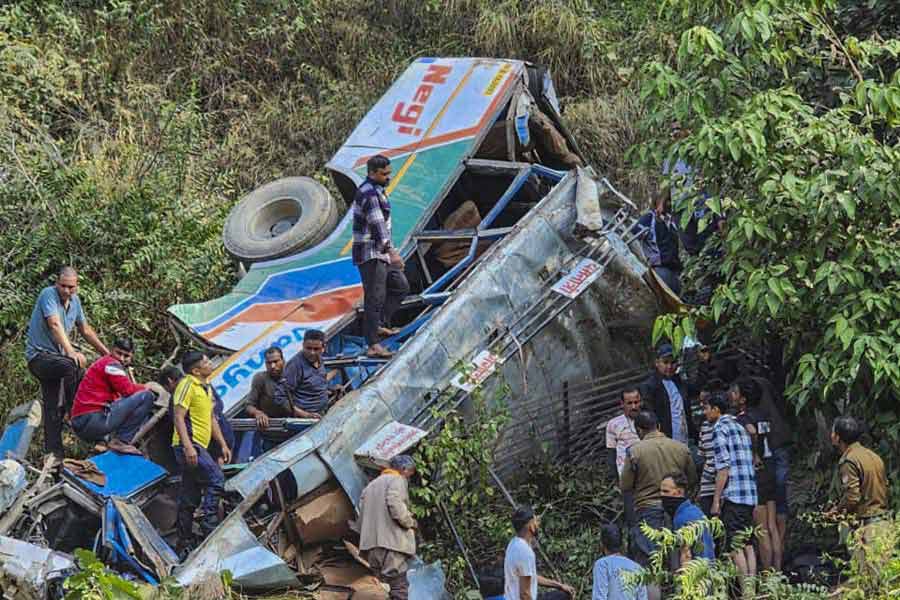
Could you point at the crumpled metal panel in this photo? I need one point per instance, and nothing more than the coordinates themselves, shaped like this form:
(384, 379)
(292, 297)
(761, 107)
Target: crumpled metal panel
(233, 547)
(265, 468)
(29, 568)
(355, 418)
(512, 273)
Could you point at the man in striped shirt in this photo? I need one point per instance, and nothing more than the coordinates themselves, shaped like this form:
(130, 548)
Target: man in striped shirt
(380, 265)
(707, 452)
(735, 495)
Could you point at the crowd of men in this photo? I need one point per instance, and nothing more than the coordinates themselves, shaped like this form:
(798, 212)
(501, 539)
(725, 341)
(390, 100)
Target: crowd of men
(104, 405)
(736, 467)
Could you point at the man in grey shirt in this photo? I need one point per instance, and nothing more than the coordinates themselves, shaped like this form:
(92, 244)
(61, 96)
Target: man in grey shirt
(51, 357)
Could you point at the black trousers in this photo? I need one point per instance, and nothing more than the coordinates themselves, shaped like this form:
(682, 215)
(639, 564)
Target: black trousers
(59, 376)
(384, 288)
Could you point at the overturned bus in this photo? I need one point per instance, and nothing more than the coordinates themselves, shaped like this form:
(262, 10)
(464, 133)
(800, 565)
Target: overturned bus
(524, 274)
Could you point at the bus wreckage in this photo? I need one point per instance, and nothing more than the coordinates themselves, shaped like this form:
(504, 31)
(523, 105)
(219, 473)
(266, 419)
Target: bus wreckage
(524, 270)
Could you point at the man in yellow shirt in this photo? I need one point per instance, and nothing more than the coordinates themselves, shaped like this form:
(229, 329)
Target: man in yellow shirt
(195, 427)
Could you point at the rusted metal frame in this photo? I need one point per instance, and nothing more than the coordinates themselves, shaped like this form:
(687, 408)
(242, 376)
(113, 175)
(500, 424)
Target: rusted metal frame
(293, 535)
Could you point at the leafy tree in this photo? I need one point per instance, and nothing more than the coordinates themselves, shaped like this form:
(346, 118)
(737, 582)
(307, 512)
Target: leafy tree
(792, 110)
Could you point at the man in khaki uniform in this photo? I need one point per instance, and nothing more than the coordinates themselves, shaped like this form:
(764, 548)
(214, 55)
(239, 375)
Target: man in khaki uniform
(647, 463)
(863, 483)
(386, 527)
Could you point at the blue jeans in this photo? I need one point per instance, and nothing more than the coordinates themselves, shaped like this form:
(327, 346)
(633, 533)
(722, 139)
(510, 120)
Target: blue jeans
(121, 419)
(780, 463)
(641, 547)
(206, 479)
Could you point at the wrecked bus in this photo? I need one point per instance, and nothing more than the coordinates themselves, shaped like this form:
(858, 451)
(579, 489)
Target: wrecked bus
(522, 270)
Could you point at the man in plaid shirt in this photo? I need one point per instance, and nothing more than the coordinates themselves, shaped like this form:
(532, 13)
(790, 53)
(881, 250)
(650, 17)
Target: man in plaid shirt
(735, 495)
(380, 265)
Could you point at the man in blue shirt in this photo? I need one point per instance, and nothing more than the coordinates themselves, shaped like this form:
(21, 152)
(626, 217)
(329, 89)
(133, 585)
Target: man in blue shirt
(305, 379)
(684, 512)
(608, 584)
(52, 358)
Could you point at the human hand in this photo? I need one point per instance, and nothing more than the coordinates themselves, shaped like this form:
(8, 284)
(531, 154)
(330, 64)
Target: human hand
(262, 420)
(395, 258)
(190, 455)
(715, 509)
(79, 358)
(226, 454)
(567, 589)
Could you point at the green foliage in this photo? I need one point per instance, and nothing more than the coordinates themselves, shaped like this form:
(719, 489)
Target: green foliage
(792, 110)
(700, 579)
(95, 582)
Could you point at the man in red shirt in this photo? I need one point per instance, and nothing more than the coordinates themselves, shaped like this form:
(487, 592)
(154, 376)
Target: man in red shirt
(109, 403)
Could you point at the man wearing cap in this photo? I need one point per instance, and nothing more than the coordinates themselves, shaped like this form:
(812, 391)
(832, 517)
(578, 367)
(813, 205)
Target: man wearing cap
(668, 397)
(109, 403)
(520, 577)
(195, 427)
(387, 535)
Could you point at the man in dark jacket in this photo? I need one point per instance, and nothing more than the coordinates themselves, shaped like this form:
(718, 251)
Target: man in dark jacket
(669, 398)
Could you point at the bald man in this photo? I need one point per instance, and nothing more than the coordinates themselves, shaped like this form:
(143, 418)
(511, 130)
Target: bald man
(52, 358)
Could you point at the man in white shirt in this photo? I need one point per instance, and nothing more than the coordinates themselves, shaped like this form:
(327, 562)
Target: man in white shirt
(520, 576)
(620, 435)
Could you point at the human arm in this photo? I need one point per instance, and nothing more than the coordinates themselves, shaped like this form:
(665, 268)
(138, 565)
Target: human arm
(552, 583)
(118, 379)
(721, 482)
(611, 463)
(525, 588)
(376, 223)
(722, 461)
(220, 439)
(626, 480)
(253, 402)
(396, 497)
(600, 587)
(849, 502)
(690, 470)
(611, 449)
(91, 336)
(58, 333)
(190, 453)
(305, 414)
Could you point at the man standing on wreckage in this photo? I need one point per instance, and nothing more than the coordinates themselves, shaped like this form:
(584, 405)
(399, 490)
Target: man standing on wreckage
(195, 427)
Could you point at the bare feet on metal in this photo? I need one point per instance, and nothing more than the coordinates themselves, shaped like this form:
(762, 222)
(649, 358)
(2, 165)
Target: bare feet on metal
(378, 351)
(123, 448)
